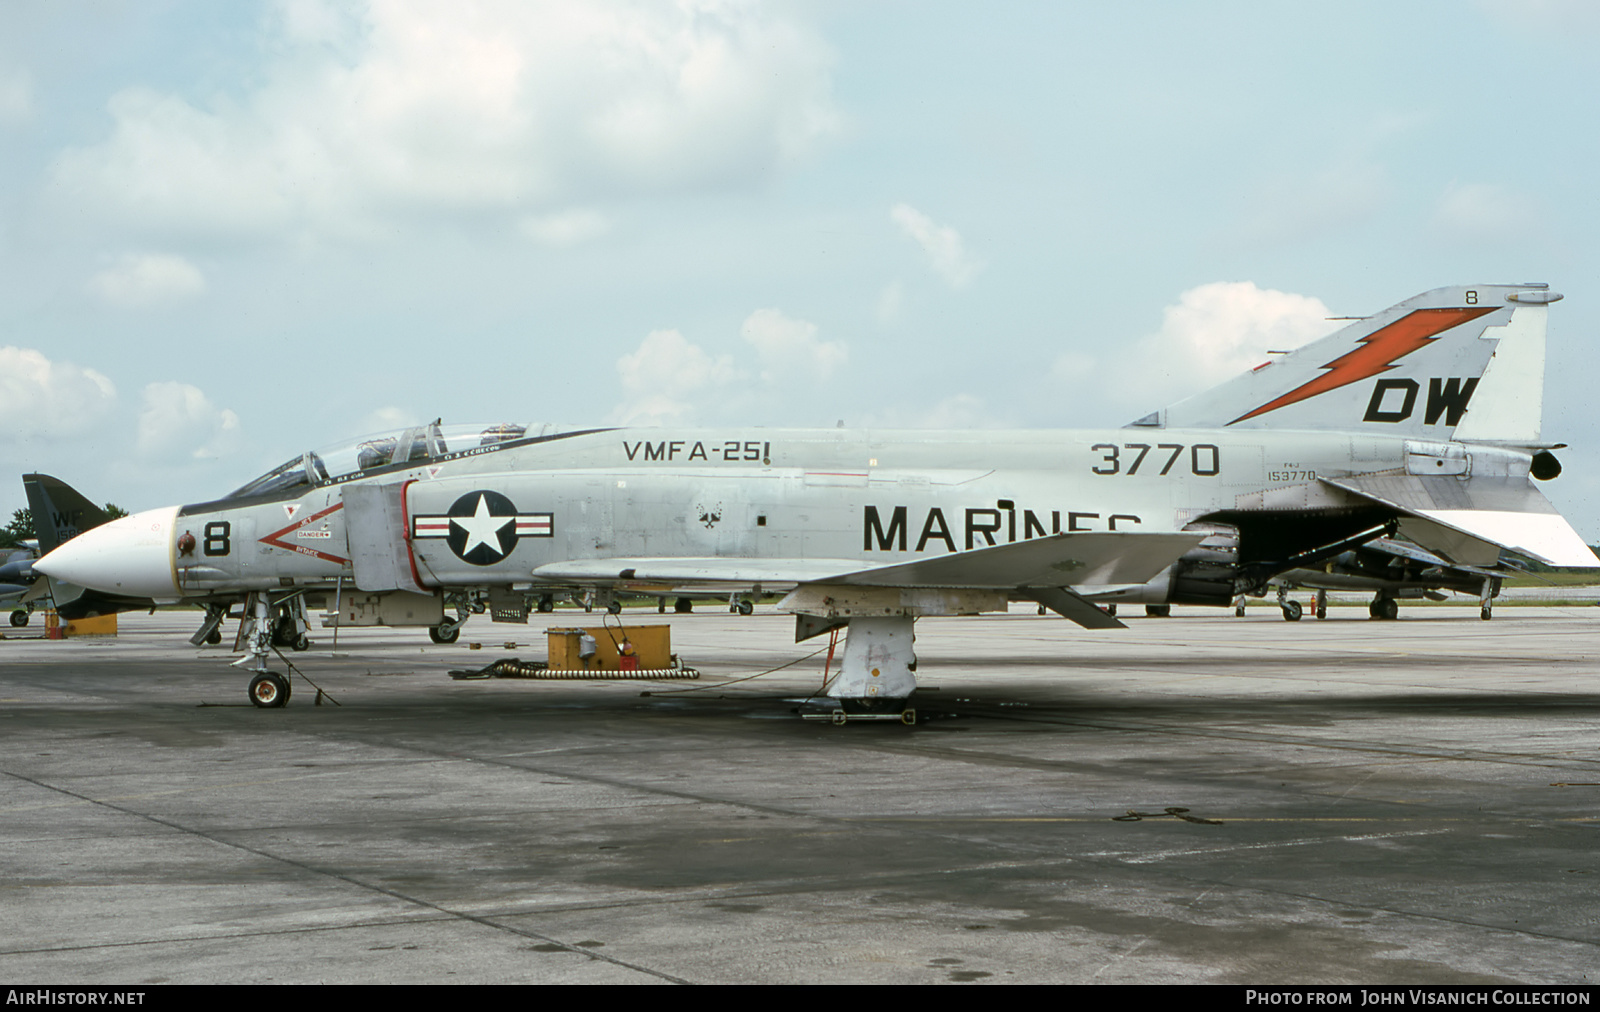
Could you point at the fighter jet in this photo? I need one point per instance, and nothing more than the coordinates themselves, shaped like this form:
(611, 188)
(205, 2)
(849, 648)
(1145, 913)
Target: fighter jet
(16, 579)
(1422, 420)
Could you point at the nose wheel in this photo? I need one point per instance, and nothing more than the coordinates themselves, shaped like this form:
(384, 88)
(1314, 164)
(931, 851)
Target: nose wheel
(269, 690)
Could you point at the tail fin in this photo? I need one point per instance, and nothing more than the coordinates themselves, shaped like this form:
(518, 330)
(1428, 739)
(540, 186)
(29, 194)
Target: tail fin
(60, 512)
(1465, 362)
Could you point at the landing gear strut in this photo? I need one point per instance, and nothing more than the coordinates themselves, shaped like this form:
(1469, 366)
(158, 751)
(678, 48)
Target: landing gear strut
(268, 623)
(1291, 608)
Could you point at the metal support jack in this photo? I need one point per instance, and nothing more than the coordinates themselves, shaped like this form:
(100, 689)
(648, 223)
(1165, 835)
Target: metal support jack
(876, 677)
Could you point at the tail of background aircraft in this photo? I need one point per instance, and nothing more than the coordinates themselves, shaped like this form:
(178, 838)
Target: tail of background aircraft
(60, 512)
(1463, 363)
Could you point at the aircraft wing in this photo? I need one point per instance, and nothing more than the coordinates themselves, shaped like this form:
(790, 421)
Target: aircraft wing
(1467, 521)
(1058, 560)
(710, 570)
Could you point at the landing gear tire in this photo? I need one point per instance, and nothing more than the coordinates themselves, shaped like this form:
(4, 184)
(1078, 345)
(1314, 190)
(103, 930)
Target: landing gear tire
(214, 637)
(19, 618)
(1322, 604)
(269, 691)
(547, 604)
(683, 606)
(1485, 613)
(1158, 611)
(439, 636)
(615, 607)
(1238, 608)
(301, 644)
(1292, 611)
(1385, 608)
(746, 608)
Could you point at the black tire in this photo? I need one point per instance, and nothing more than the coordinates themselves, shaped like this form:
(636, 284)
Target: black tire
(436, 633)
(746, 608)
(547, 604)
(301, 643)
(1158, 611)
(1485, 613)
(1292, 611)
(1322, 611)
(615, 607)
(683, 606)
(1238, 610)
(1111, 610)
(19, 618)
(269, 691)
(214, 637)
(1385, 609)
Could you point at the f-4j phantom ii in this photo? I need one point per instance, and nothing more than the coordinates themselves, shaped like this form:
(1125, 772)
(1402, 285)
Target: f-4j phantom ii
(1422, 420)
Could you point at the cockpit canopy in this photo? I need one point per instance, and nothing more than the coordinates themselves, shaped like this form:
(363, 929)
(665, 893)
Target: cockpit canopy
(414, 445)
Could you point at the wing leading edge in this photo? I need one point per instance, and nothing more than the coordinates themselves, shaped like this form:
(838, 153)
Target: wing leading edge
(1058, 560)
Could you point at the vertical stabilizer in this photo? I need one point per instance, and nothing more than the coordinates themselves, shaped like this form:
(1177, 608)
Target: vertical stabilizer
(1465, 362)
(60, 512)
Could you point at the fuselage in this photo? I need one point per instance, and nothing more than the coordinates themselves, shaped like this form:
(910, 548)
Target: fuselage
(494, 514)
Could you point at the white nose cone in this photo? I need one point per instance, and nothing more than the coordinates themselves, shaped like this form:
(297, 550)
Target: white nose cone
(131, 556)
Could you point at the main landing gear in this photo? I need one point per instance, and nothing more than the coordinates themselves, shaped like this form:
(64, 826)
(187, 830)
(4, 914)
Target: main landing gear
(1291, 608)
(1384, 608)
(19, 618)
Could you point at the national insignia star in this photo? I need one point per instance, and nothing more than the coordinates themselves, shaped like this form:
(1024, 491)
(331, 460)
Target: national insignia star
(483, 528)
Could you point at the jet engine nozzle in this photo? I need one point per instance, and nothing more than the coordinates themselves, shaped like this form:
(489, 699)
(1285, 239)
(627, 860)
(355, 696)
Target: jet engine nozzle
(130, 556)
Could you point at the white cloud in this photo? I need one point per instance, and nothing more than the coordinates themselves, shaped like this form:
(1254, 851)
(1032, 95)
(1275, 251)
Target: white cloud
(660, 380)
(179, 422)
(387, 419)
(946, 253)
(16, 94)
(958, 411)
(565, 228)
(789, 349)
(484, 106)
(52, 400)
(148, 279)
(1483, 211)
(1212, 334)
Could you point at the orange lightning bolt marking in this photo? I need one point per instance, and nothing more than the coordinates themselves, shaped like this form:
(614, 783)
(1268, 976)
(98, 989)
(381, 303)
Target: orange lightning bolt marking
(1378, 352)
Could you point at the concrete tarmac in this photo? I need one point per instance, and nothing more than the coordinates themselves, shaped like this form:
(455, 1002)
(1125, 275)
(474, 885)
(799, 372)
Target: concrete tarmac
(1344, 801)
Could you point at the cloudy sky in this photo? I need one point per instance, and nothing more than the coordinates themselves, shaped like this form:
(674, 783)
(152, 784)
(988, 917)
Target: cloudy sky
(230, 232)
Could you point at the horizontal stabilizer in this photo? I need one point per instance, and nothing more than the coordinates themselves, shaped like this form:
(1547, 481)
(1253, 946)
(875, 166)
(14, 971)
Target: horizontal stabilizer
(1508, 512)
